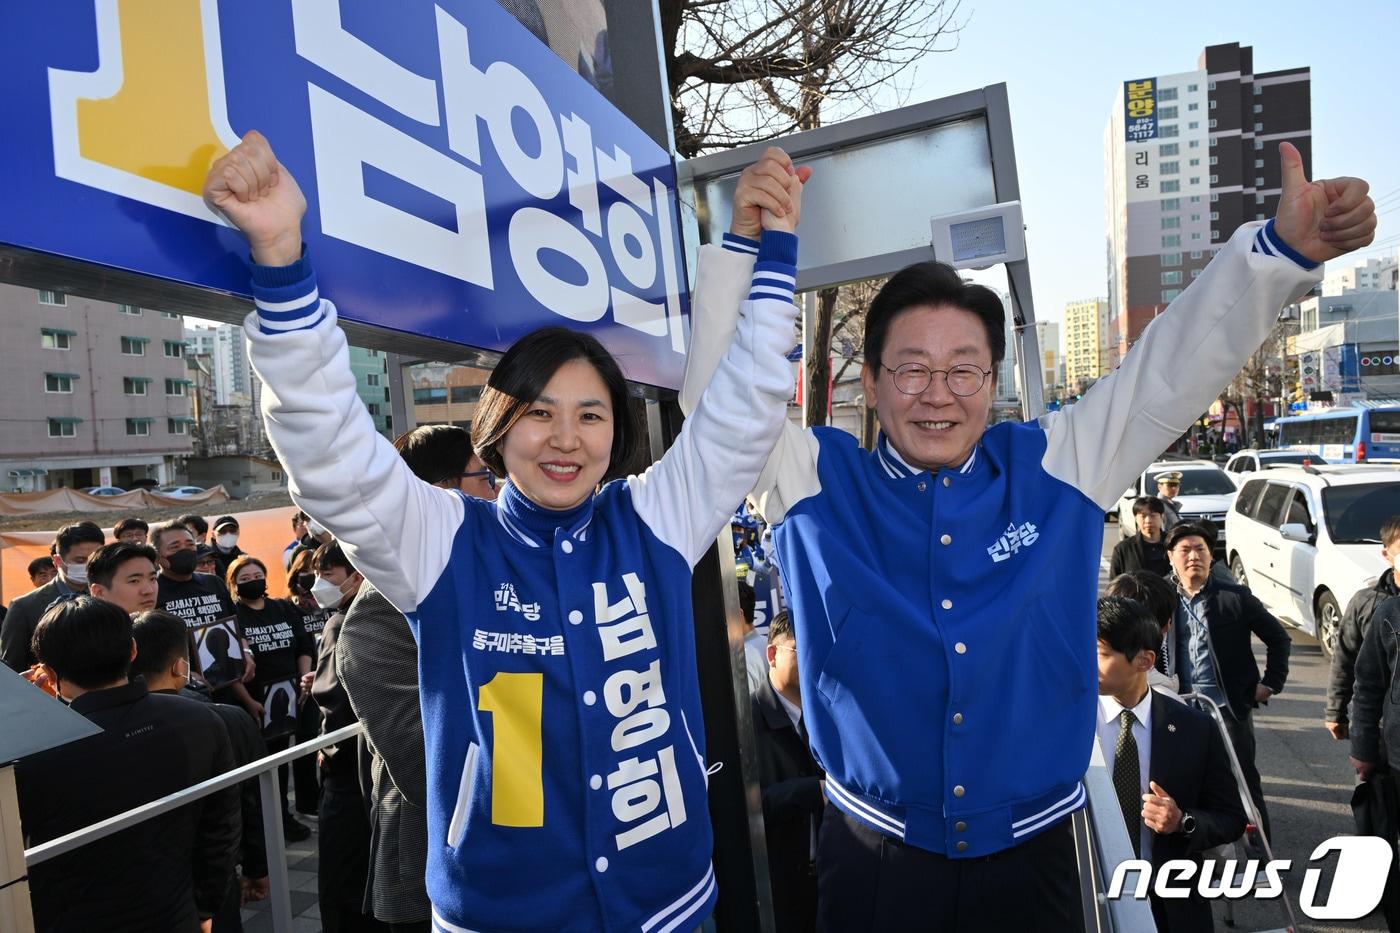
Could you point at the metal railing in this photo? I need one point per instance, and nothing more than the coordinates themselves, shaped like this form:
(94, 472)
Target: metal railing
(1101, 840)
(265, 770)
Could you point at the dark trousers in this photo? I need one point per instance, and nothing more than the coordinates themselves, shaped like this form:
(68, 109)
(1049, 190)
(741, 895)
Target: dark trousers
(421, 926)
(868, 881)
(305, 779)
(343, 865)
(229, 919)
(1242, 738)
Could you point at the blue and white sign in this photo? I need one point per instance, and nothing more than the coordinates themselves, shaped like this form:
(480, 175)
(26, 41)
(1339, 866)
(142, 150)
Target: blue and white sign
(463, 183)
(1140, 109)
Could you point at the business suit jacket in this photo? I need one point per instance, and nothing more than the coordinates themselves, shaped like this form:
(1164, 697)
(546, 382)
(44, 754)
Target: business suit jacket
(23, 618)
(1189, 762)
(377, 659)
(792, 807)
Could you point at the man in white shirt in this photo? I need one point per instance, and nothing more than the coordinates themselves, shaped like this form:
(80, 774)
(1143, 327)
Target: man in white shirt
(1168, 761)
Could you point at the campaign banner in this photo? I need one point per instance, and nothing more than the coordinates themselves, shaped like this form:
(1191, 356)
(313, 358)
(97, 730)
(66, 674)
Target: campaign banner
(463, 183)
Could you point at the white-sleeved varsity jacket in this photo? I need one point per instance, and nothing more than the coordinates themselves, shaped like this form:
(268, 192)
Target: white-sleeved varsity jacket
(561, 714)
(952, 702)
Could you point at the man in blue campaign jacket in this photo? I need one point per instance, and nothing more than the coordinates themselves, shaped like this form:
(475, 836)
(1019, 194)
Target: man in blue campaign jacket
(952, 708)
(561, 712)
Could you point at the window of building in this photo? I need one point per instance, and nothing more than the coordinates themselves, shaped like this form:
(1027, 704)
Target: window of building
(1193, 125)
(177, 426)
(430, 396)
(1210, 86)
(373, 408)
(170, 314)
(1196, 272)
(1195, 254)
(1171, 278)
(129, 309)
(1171, 259)
(62, 427)
(175, 387)
(372, 379)
(1215, 196)
(1170, 186)
(1258, 108)
(1171, 204)
(1258, 181)
(1165, 113)
(138, 427)
(1195, 236)
(1171, 223)
(1215, 234)
(1192, 88)
(1166, 93)
(1170, 168)
(134, 346)
(134, 385)
(1194, 162)
(1196, 179)
(1194, 144)
(1173, 239)
(1258, 144)
(174, 348)
(1195, 217)
(1258, 163)
(1168, 149)
(1259, 198)
(1193, 106)
(1195, 199)
(1169, 294)
(1212, 126)
(55, 339)
(1214, 160)
(1215, 179)
(56, 299)
(461, 394)
(1260, 217)
(1258, 127)
(1212, 105)
(59, 382)
(1214, 215)
(1167, 130)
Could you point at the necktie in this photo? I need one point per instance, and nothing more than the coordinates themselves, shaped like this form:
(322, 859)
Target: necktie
(1126, 778)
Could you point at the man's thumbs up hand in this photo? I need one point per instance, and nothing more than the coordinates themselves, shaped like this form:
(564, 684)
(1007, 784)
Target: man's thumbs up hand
(1324, 219)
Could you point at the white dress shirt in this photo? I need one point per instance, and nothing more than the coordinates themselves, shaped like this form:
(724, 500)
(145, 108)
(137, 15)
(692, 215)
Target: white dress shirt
(1109, 711)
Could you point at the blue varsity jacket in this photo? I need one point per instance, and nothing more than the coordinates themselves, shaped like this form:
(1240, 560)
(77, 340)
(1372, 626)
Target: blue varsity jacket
(561, 714)
(945, 620)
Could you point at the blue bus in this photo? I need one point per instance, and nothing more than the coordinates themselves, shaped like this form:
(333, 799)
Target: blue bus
(1344, 435)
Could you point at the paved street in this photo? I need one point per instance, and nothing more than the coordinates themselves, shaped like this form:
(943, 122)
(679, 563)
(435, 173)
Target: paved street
(1307, 780)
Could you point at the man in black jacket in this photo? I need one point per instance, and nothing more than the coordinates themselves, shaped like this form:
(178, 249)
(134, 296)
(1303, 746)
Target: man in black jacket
(1352, 632)
(170, 872)
(72, 547)
(1184, 801)
(162, 658)
(1375, 703)
(1144, 550)
(1214, 621)
(793, 796)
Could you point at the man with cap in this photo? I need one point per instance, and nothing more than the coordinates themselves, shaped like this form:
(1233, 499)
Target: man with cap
(1168, 488)
(225, 544)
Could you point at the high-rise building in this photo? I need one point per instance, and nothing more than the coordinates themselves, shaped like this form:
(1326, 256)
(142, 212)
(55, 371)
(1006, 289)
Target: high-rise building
(232, 373)
(1189, 157)
(1086, 343)
(372, 383)
(91, 393)
(1047, 336)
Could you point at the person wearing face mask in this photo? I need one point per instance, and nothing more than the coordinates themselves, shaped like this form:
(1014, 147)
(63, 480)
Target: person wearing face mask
(73, 545)
(300, 579)
(282, 651)
(1352, 631)
(225, 545)
(560, 609)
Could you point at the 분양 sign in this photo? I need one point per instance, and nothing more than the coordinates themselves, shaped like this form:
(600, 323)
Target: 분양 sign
(1140, 109)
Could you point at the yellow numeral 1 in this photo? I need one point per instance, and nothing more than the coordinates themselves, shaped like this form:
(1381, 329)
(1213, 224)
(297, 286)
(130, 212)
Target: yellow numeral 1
(515, 702)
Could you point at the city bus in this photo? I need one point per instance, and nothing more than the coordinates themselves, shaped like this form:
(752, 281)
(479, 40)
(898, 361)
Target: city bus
(1344, 435)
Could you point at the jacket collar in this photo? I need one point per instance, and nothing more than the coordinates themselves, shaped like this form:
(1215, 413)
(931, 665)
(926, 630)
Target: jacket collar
(1386, 584)
(899, 468)
(774, 716)
(125, 695)
(534, 526)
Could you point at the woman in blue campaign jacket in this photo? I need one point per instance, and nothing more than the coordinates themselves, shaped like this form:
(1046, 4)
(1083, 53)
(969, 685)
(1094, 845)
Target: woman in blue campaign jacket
(560, 702)
(951, 703)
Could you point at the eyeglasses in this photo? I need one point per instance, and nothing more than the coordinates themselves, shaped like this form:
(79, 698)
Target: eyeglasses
(475, 474)
(963, 380)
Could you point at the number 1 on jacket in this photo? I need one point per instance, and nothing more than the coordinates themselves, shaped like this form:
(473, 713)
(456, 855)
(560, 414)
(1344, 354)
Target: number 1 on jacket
(515, 703)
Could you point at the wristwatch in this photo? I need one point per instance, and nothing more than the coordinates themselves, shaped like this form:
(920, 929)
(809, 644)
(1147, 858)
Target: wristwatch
(1188, 824)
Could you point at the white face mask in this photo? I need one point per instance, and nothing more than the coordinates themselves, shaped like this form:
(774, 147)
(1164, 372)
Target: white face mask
(75, 573)
(315, 528)
(227, 542)
(326, 593)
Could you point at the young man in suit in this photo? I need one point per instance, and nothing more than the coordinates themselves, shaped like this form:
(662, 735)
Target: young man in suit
(1168, 761)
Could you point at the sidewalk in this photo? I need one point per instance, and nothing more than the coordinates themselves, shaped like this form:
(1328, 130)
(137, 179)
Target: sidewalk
(302, 864)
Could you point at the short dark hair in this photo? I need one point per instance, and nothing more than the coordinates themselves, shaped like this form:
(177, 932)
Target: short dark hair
(40, 564)
(522, 375)
(1190, 529)
(77, 533)
(330, 556)
(932, 283)
(435, 452)
(1390, 530)
(298, 517)
(157, 532)
(85, 640)
(781, 627)
(747, 599)
(160, 639)
(194, 523)
(1153, 591)
(107, 560)
(1144, 504)
(1127, 627)
(130, 524)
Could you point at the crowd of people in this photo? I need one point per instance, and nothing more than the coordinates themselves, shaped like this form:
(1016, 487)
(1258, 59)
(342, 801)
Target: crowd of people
(508, 614)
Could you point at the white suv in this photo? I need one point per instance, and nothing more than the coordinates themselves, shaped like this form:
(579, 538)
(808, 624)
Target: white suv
(1249, 461)
(1307, 539)
(1206, 491)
